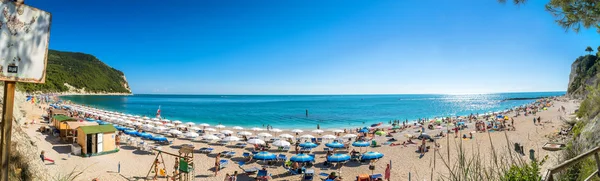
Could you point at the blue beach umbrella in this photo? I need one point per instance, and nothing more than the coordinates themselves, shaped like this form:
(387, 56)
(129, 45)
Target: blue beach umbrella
(361, 144)
(103, 123)
(89, 119)
(371, 156)
(335, 145)
(130, 132)
(338, 158)
(364, 130)
(265, 156)
(308, 145)
(158, 138)
(302, 158)
(145, 135)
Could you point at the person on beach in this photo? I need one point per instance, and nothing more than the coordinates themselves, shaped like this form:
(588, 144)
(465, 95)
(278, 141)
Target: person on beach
(155, 165)
(217, 163)
(44, 158)
(539, 120)
(422, 148)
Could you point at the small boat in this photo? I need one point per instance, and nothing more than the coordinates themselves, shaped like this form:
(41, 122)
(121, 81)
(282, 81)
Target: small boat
(553, 146)
(375, 125)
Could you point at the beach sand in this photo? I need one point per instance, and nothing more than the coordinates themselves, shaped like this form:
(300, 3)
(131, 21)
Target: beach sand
(135, 164)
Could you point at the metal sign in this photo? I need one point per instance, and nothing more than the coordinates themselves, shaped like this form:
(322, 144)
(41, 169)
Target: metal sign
(24, 36)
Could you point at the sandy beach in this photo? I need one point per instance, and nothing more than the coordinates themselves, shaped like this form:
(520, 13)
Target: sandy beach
(135, 164)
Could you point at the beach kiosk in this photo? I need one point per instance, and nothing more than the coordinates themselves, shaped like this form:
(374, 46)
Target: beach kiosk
(97, 140)
(71, 130)
(60, 123)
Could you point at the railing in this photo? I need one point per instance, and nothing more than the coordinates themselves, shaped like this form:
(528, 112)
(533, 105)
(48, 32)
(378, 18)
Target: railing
(577, 159)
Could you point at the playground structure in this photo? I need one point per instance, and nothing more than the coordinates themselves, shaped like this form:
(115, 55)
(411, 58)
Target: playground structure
(185, 162)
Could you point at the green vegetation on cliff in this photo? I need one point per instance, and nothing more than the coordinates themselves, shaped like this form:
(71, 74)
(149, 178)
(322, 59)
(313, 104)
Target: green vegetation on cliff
(80, 71)
(583, 72)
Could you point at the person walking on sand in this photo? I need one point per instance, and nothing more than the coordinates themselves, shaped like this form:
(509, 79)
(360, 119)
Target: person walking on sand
(155, 165)
(217, 163)
(44, 158)
(539, 120)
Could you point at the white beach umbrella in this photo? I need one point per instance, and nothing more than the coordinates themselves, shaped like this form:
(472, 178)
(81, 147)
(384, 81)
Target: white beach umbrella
(127, 122)
(219, 126)
(190, 123)
(129, 115)
(307, 136)
(181, 126)
(297, 131)
(231, 139)
(137, 123)
(256, 142)
(136, 116)
(157, 123)
(276, 130)
(139, 120)
(159, 129)
(175, 132)
(329, 137)
(169, 125)
(256, 129)
(166, 120)
(210, 129)
(195, 128)
(147, 127)
(227, 131)
(286, 136)
(177, 122)
(237, 128)
(245, 133)
(191, 134)
(317, 131)
(154, 119)
(281, 143)
(145, 117)
(349, 136)
(210, 137)
(264, 135)
(204, 125)
(337, 131)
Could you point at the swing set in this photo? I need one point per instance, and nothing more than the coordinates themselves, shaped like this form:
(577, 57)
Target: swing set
(185, 165)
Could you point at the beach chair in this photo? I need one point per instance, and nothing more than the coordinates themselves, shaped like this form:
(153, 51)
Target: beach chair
(319, 140)
(262, 175)
(223, 164)
(376, 176)
(222, 143)
(255, 152)
(314, 140)
(231, 154)
(246, 155)
(374, 144)
(281, 157)
(327, 149)
(240, 145)
(309, 175)
(291, 171)
(286, 148)
(208, 150)
(248, 171)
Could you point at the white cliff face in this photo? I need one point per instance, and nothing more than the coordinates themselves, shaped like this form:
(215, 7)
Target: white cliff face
(125, 83)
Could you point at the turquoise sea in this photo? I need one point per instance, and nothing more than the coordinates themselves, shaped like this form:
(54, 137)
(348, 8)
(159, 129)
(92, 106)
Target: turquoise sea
(289, 111)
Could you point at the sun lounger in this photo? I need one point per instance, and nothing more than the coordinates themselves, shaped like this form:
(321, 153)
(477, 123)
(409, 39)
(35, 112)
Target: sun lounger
(223, 164)
(292, 171)
(286, 148)
(240, 145)
(246, 155)
(319, 140)
(206, 150)
(327, 149)
(230, 154)
(281, 157)
(376, 176)
(553, 146)
(263, 175)
(309, 174)
(222, 142)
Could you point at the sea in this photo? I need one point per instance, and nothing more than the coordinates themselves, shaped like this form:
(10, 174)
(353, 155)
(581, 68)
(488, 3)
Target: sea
(306, 111)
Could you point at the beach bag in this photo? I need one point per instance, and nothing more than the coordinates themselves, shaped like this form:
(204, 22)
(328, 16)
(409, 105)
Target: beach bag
(371, 167)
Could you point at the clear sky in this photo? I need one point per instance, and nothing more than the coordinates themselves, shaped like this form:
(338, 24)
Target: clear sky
(322, 47)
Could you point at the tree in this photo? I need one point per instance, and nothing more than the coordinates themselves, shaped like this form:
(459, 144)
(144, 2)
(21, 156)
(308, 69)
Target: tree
(572, 14)
(598, 52)
(589, 50)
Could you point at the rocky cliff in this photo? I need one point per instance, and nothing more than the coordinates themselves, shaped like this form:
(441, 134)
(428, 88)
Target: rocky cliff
(583, 74)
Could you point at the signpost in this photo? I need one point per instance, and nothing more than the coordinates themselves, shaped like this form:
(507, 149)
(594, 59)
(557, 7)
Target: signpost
(24, 36)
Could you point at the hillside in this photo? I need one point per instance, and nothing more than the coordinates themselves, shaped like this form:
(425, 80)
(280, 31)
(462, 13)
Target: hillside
(78, 73)
(583, 73)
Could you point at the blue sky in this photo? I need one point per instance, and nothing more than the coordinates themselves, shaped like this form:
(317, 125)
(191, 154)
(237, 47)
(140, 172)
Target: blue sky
(322, 47)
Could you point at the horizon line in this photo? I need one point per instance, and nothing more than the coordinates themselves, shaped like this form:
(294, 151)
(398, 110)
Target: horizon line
(347, 93)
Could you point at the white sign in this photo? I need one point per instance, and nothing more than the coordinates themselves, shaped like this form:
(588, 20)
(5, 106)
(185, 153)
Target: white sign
(24, 36)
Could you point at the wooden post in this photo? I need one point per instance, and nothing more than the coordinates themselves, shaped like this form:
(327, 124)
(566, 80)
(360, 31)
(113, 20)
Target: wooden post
(6, 127)
(597, 158)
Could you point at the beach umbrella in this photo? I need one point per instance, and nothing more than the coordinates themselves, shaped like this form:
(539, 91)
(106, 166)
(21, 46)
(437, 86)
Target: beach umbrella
(177, 122)
(264, 135)
(158, 138)
(145, 135)
(157, 123)
(276, 130)
(335, 145)
(237, 128)
(175, 132)
(145, 117)
(308, 145)
(137, 124)
(335, 158)
(317, 131)
(245, 133)
(371, 156)
(307, 136)
(166, 120)
(210, 137)
(219, 126)
(297, 131)
(139, 120)
(380, 133)
(349, 136)
(302, 158)
(281, 143)
(231, 139)
(191, 134)
(169, 125)
(204, 125)
(227, 131)
(103, 123)
(130, 132)
(361, 144)
(120, 128)
(257, 129)
(159, 129)
(265, 156)
(154, 119)
(147, 127)
(256, 142)
(181, 126)
(337, 131)
(364, 130)
(210, 129)
(286, 136)
(328, 137)
(195, 128)
(190, 123)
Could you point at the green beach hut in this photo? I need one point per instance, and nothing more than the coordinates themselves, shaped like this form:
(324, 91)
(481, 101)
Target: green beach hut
(97, 140)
